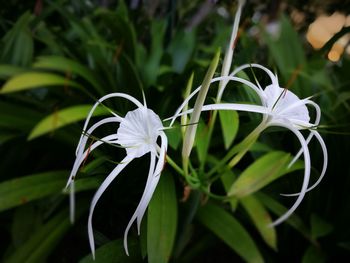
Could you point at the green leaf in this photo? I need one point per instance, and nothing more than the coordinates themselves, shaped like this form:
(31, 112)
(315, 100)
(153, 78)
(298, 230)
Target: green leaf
(228, 229)
(174, 137)
(313, 255)
(17, 117)
(66, 65)
(319, 227)
(162, 221)
(17, 48)
(227, 179)
(278, 209)
(7, 71)
(24, 189)
(262, 172)
(229, 125)
(44, 240)
(261, 219)
(113, 252)
(62, 118)
(202, 140)
(33, 80)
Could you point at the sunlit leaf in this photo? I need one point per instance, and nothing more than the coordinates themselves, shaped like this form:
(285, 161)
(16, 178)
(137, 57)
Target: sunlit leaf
(67, 66)
(229, 230)
(62, 118)
(262, 172)
(33, 80)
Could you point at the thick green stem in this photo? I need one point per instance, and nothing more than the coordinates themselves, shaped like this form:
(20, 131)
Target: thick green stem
(240, 148)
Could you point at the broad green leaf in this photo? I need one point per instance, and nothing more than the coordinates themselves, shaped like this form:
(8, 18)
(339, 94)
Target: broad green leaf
(229, 230)
(44, 240)
(33, 80)
(7, 71)
(21, 190)
(278, 209)
(313, 255)
(261, 219)
(162, 221)
(229, 125)
(24, 189)
(113, 252)
(262, 172)
(66, 65)
(319, 227)
(62, 118)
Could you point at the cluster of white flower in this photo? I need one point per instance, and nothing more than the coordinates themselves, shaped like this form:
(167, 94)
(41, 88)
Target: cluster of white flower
(140, 129)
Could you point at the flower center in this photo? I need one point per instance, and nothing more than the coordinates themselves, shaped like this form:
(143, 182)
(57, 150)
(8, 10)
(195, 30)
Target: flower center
(138, 131)
(285, 104)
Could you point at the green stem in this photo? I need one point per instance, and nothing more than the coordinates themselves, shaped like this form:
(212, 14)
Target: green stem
(172, 163)
(242, 147)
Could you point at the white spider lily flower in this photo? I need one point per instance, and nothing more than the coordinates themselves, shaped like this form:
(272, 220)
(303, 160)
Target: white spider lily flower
(282, 108)
(138, 133)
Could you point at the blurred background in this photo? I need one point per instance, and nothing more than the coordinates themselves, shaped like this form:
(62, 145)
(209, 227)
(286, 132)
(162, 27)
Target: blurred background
(58, 57)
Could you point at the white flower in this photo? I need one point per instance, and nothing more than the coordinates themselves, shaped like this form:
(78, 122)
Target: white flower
(280, 107)
(138, 133)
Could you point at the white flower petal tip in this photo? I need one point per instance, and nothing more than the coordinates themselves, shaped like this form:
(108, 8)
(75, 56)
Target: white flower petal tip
(137, 133)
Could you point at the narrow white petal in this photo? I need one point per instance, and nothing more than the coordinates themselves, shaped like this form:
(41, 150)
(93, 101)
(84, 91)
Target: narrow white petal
(99, 193)
(226, 65)
(135, 215)
(273, 78)
(231, 106)
(85, 135)
(72, 202)
(308, 139)
(325, 163)
(108, 96)
(228, 78)
(80, 159)
(307, 170)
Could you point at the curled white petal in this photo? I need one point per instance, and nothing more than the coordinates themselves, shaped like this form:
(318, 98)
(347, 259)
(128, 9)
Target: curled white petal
(99, 193)
(307, 171)
(325, 163)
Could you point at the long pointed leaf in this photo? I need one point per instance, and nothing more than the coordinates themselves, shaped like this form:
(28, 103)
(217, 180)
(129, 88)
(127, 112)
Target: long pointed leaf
(228, 229)
(62, 118)
(162, 221)
(33, 80)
